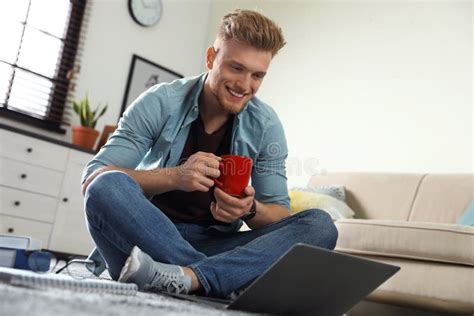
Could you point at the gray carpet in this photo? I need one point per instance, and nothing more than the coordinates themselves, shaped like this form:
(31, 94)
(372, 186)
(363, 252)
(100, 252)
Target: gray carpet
(24, 301)
(16, 300)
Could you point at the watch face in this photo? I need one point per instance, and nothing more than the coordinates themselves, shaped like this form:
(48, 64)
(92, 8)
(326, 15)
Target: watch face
(145, 12)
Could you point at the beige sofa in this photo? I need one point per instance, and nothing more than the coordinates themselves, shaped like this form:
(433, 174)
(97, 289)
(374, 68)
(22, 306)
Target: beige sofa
(410, 220)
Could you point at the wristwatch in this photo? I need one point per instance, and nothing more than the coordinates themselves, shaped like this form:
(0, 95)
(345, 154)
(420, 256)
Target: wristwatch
(251, 214)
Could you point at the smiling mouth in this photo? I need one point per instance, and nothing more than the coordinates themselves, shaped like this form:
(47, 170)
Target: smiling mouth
(235, 93)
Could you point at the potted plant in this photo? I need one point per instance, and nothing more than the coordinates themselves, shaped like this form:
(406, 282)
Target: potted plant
(85, 135)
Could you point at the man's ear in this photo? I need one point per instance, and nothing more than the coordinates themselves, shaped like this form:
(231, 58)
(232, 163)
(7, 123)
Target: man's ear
(210, 56)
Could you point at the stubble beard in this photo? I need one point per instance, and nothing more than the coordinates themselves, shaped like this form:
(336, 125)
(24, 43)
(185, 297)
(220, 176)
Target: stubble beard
(231, 107)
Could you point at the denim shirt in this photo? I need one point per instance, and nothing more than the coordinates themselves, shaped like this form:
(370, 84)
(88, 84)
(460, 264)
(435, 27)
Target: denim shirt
(154, 128)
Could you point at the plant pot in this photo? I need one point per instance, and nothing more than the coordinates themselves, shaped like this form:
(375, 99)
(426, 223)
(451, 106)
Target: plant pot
(84, 136)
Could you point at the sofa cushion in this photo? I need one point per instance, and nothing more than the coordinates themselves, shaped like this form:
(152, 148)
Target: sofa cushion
(442, 198)
(467, 217)
(303, 200)
(421, 241)
(428, 285)
(336, 191)
(375, 195)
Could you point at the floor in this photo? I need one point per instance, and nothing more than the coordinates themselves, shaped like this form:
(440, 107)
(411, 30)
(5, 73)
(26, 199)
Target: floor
(19, 301)
(367, 308)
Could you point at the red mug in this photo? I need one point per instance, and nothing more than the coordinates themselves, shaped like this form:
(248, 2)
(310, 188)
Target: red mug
(235, 174)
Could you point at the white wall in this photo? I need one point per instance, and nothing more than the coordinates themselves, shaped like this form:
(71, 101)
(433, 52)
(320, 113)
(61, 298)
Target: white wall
(177, 42)
(371, 85)
(361, 85)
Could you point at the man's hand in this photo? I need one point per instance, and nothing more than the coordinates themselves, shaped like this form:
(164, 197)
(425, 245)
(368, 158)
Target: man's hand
(228, 208)
(198, 172)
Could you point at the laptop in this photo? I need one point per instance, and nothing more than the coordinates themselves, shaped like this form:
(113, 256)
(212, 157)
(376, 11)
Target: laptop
(307, 280)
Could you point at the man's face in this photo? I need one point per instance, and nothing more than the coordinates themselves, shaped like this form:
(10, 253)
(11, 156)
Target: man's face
(236, 71)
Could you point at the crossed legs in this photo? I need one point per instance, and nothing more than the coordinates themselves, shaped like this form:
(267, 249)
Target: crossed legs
(119, 217)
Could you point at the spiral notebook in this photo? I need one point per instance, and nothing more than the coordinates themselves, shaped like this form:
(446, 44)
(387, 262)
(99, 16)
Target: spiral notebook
(59, 281)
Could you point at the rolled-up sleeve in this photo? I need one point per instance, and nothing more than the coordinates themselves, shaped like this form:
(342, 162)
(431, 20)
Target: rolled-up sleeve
(269, 173)
(133, 138)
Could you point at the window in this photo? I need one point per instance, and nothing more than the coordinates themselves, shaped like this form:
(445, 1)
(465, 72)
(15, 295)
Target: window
(39, 42)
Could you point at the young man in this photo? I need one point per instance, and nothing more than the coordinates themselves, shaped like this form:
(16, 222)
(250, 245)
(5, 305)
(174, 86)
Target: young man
(151, 205)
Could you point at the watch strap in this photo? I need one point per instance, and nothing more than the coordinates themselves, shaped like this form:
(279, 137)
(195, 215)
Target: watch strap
(251, 214)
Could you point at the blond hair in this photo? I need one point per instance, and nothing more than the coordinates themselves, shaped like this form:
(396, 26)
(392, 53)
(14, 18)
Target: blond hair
(252, 28)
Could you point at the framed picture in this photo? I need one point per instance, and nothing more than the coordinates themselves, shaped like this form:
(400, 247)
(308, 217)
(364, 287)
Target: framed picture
(142, 75)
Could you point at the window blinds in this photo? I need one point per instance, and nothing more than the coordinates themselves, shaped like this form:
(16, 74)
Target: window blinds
(41, 46)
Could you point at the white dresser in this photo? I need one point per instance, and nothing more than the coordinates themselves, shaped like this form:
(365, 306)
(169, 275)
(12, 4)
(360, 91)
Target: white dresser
(40, 192)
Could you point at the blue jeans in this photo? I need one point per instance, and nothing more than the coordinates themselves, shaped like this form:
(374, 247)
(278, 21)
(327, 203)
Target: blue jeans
(119, 217)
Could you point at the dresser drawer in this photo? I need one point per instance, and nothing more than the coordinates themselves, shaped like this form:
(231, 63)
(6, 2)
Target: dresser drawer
(79, 157)
(33, 151)
(18, 226)
(27, 205)
(69, 233)
(30, 178)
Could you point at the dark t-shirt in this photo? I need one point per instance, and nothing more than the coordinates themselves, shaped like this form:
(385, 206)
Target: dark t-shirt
(194, 207)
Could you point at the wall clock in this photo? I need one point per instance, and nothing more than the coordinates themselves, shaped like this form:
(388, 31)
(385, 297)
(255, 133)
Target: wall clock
(145, 12)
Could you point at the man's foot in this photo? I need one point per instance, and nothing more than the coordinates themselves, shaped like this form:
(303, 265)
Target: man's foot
(150, 275)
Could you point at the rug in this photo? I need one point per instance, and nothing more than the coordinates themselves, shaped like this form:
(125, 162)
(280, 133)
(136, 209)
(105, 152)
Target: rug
(18, 301)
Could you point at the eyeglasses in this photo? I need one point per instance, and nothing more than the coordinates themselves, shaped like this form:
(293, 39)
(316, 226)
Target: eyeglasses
(45, 261)
(79, 268)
